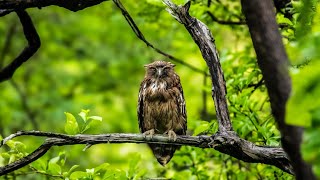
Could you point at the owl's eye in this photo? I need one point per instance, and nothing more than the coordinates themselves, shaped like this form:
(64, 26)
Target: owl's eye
(152, 69)
(166, 69)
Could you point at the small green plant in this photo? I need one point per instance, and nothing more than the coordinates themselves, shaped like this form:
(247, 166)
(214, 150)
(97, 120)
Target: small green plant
(72, 126)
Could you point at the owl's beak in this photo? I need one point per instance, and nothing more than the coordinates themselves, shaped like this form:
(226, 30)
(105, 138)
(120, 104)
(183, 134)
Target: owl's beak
(159, 72)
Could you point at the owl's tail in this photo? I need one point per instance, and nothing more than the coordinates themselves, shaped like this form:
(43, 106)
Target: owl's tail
(163, 153)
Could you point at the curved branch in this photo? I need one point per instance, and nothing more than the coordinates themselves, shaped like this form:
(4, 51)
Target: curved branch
(139, 34)
(203, 38)
(33, 45)
(225, 142)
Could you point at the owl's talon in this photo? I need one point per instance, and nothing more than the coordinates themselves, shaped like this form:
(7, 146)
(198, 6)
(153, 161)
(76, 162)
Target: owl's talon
(172, 135)
(149, 133)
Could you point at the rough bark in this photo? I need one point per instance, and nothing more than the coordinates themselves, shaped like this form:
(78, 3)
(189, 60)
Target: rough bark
(273, 62)
(225, 142)
(203, 38)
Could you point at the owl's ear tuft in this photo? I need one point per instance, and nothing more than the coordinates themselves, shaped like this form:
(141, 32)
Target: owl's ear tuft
(173, 65)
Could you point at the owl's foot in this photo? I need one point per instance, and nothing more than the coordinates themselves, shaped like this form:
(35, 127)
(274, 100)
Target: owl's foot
(172, 135)
(149, 132)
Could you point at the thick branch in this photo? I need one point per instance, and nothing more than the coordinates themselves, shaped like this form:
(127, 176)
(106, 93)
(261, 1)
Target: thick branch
(203, 38)
(7, 6)
(33, 45)
(273, 62)
(225, 142)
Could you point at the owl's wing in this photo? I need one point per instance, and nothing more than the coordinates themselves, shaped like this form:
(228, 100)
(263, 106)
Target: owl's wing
(140, 106)
(181, 103)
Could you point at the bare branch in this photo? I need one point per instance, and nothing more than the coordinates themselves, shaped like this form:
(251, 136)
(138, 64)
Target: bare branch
(203, 38)
(139, 34)
(273, 62)
(33, 45)
(225, 142)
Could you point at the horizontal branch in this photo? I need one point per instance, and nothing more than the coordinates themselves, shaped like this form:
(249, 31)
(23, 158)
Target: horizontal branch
(7, 6)
(225, 142)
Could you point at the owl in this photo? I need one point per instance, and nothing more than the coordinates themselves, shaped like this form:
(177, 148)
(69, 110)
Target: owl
(161, 107)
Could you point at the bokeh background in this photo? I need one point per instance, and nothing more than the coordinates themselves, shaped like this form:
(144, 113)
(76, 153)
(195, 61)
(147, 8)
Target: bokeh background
(92, 60)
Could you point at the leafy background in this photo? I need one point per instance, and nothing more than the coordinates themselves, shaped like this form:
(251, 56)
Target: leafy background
(92, 60)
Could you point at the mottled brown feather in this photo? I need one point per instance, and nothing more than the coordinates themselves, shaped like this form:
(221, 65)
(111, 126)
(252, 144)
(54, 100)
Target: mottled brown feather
(161, 106)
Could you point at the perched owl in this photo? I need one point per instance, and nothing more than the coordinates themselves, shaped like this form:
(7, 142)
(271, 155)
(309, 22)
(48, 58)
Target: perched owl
(161, 107)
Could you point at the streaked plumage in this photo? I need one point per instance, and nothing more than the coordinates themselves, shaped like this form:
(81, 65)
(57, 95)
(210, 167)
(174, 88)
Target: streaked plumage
(161, 107)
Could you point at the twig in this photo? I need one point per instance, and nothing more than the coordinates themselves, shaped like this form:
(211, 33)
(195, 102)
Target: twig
(225, 142)
(30, 113)
(140, 35)
(33, 45)
(214, 18)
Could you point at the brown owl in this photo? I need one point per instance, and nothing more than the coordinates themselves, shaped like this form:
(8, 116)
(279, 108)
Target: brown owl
(161, 107)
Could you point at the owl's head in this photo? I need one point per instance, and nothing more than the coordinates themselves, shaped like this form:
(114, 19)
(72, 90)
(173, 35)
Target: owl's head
(159, 69)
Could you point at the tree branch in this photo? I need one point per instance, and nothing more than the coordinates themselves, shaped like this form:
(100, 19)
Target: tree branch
(7, 6)
(273, 62)
(203, 38)
(225, 142)
(139, 34)
(33, 45)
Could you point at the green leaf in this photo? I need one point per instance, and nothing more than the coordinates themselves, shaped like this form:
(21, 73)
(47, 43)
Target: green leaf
(5, 155)
(71, 126)
(54, 168)
(133, 164)
(102, 167)
(201, 128)
(83, 114)
(72, 169)
(96, 118)
(78, 175)
(54, 160)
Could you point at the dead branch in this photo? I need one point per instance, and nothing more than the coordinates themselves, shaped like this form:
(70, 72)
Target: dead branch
(226, 142)
(203, 38)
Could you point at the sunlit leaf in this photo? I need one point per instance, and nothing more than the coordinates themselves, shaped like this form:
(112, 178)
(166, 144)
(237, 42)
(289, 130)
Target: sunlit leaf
(71, 126)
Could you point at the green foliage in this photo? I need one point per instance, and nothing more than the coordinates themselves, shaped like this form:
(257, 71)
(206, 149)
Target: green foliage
(92, 60)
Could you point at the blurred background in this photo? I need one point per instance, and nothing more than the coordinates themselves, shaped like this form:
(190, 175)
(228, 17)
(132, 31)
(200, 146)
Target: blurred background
(92, 60)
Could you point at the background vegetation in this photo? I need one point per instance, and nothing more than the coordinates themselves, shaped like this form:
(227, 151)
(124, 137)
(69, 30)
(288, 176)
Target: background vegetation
(92, 60)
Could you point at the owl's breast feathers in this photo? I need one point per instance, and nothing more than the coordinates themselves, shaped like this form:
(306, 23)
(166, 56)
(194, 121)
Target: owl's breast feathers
(157, 90)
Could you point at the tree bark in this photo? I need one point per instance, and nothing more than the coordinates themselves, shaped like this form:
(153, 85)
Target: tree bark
(273, 62)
